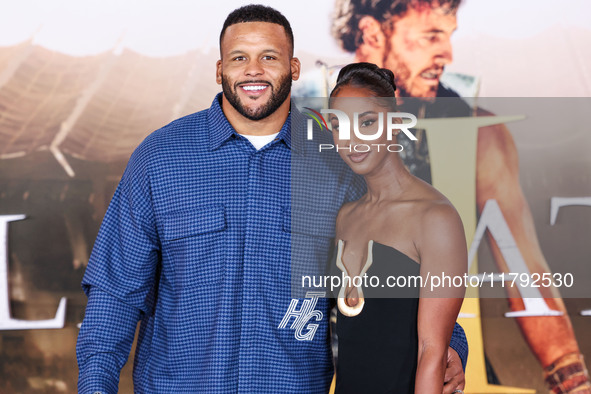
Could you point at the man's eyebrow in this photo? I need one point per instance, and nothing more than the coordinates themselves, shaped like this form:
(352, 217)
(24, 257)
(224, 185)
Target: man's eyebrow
(271, 51)
(436, 30)
(236, 52)
(433, 30)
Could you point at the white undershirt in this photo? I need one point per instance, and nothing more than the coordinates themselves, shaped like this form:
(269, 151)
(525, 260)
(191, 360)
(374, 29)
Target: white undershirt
(258, 141)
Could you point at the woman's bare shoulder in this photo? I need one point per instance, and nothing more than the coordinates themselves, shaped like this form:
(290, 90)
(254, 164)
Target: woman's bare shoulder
(439, 211)
(344, 215)
(435, 214)
(440, 226)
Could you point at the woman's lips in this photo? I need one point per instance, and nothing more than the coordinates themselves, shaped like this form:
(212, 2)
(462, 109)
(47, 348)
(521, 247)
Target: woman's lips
(358, 157)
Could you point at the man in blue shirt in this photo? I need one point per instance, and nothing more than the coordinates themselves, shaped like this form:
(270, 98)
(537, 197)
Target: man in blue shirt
(197, 241)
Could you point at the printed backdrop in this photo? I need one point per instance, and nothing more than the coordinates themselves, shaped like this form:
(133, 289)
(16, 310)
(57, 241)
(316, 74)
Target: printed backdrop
(82, 83)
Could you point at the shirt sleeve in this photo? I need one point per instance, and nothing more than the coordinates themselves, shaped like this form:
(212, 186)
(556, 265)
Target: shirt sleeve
(459, 343)
(104, 342)
(356, 189)
(118, 281)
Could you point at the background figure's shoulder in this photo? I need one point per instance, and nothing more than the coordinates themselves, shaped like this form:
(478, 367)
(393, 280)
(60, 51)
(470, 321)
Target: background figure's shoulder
(458, 85)
(494, 137)
(459, 92)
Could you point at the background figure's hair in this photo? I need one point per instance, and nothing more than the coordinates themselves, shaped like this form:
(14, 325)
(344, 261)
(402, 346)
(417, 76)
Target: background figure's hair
(257, 13)
(348, 13)
(380, 81)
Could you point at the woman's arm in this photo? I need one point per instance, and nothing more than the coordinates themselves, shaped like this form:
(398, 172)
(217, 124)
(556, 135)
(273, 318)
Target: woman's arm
(443, 254)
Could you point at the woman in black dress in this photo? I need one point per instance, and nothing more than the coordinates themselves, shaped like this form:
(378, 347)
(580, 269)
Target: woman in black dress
(391, 339)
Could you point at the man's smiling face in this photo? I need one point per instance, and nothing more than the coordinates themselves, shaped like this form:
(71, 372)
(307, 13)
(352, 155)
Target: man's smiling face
(255, 70)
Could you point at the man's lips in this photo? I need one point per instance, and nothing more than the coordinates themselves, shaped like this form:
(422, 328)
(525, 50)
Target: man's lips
(254, 89)
(432, 74)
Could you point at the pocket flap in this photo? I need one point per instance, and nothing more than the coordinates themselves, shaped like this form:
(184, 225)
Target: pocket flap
(205, 219)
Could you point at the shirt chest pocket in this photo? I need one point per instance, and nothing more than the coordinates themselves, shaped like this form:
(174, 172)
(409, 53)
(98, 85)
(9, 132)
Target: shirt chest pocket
(193, 245)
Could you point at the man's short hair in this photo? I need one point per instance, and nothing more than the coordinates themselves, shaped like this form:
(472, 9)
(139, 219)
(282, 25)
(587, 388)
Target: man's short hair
(348, 13)
(258, 13)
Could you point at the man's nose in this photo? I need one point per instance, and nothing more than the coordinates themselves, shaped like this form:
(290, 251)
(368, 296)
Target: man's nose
(253, 68)
(444, 53)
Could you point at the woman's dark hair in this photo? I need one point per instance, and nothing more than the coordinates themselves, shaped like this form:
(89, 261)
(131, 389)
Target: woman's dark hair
(380, 81)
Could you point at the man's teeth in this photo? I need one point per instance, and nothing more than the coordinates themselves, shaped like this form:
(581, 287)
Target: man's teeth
(429, 75)
(252, 87)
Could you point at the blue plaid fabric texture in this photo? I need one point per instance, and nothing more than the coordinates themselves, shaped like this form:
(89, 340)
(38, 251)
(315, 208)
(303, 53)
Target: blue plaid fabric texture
(196, 244)
(460, 344)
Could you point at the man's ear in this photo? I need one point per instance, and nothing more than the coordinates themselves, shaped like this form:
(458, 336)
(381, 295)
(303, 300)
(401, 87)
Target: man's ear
(296, 67)
(373, 47)
(218, 72)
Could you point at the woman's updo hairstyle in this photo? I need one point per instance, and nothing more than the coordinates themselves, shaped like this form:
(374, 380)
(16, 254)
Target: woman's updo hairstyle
(379, 81)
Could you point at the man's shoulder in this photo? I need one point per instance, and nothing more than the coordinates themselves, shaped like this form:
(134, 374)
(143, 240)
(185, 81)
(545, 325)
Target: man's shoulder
(185, 127)
(187, 130)
(170, 141)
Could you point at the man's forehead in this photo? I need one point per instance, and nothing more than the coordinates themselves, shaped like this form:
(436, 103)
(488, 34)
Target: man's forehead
(246, 35)
(252, 30)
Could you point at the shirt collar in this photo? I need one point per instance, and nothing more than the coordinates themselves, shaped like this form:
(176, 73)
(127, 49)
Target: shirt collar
(220, 130)
(294, 134)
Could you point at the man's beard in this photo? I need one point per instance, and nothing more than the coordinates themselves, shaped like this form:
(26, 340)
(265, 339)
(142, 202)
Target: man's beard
(402, 77)
(274, 102)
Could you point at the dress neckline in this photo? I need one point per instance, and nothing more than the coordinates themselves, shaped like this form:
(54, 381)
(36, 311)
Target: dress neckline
(352, 311)
(370, 244)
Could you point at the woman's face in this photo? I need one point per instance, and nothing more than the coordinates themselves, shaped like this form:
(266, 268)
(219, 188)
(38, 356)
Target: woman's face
(364, 156)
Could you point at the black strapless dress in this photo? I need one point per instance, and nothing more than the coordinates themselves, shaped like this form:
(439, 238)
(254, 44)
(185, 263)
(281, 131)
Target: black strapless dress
(377, 349)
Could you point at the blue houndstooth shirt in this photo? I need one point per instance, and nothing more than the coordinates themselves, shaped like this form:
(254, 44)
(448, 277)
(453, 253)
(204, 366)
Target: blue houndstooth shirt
(196, 244)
